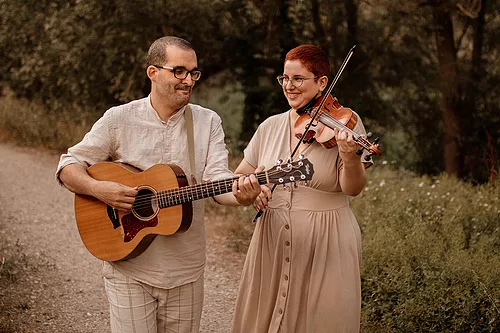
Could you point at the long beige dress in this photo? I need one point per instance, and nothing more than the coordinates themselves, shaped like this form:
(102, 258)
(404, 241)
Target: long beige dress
(302, 270)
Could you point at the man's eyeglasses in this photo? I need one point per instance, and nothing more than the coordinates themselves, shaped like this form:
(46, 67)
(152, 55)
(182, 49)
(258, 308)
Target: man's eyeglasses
(181, 73)
(296, 80)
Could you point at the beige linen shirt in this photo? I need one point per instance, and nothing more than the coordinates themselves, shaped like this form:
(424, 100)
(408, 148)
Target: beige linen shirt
(133, 133)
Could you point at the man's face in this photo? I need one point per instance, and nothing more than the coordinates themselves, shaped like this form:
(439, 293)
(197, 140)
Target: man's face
(174, 90)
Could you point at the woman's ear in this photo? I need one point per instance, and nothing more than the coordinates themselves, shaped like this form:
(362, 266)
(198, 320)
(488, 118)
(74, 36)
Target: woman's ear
(323, 82)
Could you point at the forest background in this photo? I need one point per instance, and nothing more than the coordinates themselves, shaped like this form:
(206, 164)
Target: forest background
(424, 78)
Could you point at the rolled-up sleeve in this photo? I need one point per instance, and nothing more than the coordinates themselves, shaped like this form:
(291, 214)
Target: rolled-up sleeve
(217, 157)
(96, 146)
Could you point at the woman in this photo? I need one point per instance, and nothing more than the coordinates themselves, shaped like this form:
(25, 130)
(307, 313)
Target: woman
(302, 271)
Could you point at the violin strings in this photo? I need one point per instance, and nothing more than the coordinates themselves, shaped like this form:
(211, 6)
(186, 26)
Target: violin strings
(358, 138)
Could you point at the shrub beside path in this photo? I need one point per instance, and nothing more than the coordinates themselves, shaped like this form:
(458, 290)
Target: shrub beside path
(49, 282)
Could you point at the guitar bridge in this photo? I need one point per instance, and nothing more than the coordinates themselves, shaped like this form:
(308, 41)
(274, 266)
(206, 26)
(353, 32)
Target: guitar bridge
(113, 216)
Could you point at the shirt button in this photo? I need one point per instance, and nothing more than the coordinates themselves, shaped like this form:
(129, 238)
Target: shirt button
(286, 277)
(284, 294)
(287, 205)
(287, 226)
(280, 311)
(287, 243)
(287, 259)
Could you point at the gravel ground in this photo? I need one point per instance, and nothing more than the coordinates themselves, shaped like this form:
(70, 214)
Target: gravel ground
(49, 282)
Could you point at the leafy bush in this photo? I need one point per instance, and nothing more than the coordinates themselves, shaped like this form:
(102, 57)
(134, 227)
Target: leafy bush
(431, 249)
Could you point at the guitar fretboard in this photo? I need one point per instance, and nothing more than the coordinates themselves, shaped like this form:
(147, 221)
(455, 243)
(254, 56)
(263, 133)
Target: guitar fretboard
(190, 193)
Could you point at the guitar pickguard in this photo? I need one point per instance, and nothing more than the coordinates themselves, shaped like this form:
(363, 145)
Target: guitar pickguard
(132, 226)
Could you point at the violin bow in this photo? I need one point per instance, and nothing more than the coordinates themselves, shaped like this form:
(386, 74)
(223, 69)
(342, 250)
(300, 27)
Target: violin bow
(329, 90)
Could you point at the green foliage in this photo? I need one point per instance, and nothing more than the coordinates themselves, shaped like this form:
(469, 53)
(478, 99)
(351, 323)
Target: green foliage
(228, 101)
(431, 249)
(89, 55)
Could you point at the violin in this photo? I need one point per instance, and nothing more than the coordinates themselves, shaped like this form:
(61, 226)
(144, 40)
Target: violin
(328, 115)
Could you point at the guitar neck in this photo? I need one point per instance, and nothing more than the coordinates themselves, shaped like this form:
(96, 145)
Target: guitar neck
(190, 193)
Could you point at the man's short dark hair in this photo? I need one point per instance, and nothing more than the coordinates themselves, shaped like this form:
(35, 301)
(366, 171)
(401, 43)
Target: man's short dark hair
(157, 54)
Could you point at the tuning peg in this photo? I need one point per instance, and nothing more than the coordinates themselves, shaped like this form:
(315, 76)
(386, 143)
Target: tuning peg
(359, 152)
(369, 134)
(301, 156)
(376, 140)
(368, 157)
(278, 164)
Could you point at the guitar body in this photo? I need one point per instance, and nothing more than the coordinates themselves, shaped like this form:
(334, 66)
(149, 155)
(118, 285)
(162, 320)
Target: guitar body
(113, 235)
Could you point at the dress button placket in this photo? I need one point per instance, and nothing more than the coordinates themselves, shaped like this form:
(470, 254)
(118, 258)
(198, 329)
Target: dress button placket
(285, 278)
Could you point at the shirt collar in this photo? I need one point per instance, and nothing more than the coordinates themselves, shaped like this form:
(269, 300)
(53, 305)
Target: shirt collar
(174, 118)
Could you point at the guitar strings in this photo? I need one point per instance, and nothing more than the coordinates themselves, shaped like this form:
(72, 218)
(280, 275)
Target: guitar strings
(204, 188)
(180, 193)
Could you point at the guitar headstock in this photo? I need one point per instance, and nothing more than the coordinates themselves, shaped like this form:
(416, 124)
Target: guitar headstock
(301, 170)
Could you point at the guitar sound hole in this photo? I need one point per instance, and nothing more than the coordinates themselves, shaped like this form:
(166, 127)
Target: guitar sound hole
(146, 204)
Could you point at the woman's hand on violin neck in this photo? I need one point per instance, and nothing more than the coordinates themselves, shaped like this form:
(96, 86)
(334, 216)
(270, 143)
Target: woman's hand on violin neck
(347, 145)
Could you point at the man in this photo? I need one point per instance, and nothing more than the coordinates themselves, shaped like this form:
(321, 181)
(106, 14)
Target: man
(161, 289)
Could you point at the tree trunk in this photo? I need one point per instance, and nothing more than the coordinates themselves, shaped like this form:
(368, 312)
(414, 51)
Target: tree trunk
(473, 95)
(352, 22)
(321, 35)
(453, 151)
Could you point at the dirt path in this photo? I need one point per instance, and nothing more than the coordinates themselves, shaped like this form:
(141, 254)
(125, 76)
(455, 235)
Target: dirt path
(55, 284)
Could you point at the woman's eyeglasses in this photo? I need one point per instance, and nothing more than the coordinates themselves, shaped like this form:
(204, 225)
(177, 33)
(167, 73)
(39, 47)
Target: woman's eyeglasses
(297, 81)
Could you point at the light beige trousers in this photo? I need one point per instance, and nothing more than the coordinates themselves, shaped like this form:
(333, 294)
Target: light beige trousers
(136, 307)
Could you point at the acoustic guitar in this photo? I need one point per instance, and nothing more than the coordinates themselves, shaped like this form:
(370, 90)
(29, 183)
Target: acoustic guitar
(162, 206)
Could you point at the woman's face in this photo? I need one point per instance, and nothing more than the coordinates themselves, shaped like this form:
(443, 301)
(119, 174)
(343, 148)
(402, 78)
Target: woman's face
(299, 94)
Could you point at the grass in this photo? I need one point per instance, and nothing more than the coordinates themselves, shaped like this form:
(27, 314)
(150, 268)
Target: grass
(29, 123)
(431, 250)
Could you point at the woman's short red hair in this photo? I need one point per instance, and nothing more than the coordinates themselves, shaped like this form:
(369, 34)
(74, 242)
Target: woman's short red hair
(312, 57)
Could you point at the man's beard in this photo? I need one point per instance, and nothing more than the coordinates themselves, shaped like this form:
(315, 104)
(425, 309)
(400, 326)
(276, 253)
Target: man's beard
(181, 100)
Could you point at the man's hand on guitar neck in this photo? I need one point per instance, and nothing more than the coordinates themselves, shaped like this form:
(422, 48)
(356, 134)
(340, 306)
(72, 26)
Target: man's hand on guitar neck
(244, 191)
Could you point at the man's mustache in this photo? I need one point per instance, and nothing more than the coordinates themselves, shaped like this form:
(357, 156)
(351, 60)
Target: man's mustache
(183, 87)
